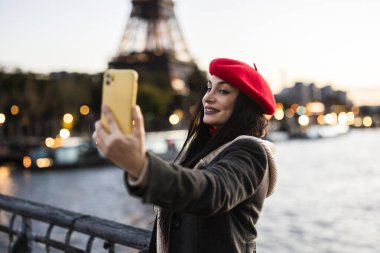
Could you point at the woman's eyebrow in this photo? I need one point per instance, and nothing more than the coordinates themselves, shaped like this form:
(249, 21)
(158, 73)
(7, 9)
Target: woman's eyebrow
(219, 83)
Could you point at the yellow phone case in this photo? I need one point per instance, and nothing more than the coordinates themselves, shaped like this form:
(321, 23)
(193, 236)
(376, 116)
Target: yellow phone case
(119, 94)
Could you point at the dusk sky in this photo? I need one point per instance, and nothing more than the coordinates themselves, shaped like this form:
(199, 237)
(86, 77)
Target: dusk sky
(328, 42)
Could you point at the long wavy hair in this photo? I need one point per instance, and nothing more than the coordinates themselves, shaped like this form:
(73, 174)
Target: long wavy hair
(246, 119)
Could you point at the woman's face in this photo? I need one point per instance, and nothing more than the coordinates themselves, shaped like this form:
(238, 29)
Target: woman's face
(218, 102)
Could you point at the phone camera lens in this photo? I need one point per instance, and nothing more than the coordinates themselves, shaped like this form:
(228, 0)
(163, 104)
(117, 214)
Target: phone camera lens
(108, 79)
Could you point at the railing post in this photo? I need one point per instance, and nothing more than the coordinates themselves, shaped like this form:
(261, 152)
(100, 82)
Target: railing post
(24, 241)
(47, 237)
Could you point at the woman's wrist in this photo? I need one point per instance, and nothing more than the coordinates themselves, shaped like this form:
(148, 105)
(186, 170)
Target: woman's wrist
(141, 178)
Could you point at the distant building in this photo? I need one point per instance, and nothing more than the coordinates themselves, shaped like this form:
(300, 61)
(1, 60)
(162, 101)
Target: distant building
(301, 94)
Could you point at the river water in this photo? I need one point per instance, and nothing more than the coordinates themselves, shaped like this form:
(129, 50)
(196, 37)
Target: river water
(327, 198)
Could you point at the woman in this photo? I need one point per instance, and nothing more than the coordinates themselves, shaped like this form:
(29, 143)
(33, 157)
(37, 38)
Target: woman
(210, 198)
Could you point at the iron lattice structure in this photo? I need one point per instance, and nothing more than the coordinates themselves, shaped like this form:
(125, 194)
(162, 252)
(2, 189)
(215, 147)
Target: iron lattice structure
(153, 45)
(153, 41)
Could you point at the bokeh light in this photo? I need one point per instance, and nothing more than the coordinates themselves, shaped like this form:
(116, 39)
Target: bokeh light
(289, 113)
(27, 161)
(15, 109)
(303, 120)
(68, 118)
(279, 114)
(331, 118)
(174, 119)
(358, 122)
(84, 110)
(44, 162)
(350, 118)
(321, 119)
(2, 118)
(342, 118)
(367, 121)
(301, 110)
(315, 107)
(49, 142)
(64, 133)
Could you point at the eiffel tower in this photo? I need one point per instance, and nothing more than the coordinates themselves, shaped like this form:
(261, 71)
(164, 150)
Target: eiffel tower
(153, 45)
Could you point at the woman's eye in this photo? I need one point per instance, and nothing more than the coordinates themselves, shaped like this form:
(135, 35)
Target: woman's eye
(224, 92)
(208, 89)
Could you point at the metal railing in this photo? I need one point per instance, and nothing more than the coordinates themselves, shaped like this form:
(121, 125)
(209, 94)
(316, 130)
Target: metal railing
(20, 240)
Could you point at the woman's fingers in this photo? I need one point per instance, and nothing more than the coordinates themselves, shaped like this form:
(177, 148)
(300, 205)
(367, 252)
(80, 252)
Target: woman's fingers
(139, 121)
(99, 136)
(112, 124)
(95, 133)
(126, 151)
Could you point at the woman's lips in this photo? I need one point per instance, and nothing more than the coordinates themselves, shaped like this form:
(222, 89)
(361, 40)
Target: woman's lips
(210, 110)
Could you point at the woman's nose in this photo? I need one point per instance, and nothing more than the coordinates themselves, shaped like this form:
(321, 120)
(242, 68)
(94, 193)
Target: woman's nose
(209, 97)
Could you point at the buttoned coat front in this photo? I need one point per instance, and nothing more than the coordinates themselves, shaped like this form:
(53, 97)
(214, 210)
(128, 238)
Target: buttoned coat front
(215, 208)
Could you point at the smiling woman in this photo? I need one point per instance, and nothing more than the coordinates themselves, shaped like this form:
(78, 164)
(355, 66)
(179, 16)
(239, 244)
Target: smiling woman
(218, 102)
(210, 198)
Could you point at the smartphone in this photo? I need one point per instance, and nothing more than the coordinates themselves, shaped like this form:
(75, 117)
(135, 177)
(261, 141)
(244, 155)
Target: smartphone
(119, 93)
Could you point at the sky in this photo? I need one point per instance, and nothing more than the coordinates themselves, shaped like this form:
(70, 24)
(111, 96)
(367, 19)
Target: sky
(327, 42)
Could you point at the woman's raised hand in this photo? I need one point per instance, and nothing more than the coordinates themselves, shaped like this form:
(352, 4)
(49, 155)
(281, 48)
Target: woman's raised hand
(126, 150)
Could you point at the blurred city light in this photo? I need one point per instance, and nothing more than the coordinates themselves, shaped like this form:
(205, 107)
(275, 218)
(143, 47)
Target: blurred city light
(315, 107)
(358, 122)
(342, 118)
(179, 85)
(303, 120)
(355, 110)
(367, 121)
(68, 118)
(301, 110)
(15, 109)
(27, 161)
(321, 119)
(4, 172)
(331, 118)
(49, 142)
(289, 113)
(64, 133)
(84, 110)
(350, 118)
(57, 142)
(294, 107)
(44, 162)
(279, 114)
(179, 113)
(174, 119)
(2, 118)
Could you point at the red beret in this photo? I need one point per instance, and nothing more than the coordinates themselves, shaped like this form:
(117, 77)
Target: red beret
(246, 79)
